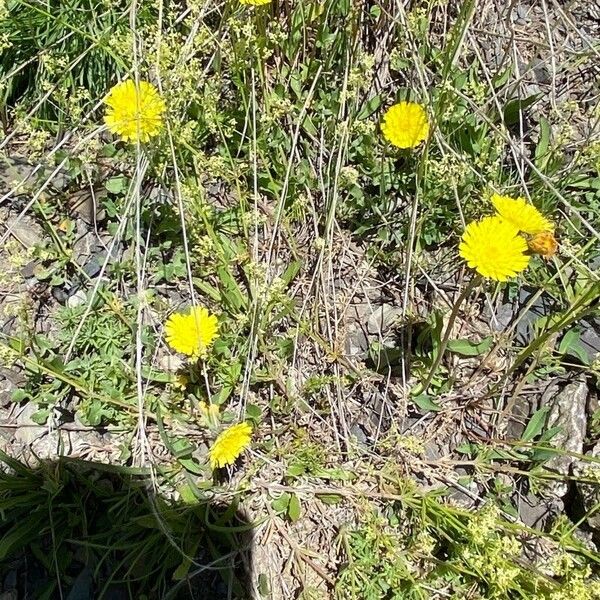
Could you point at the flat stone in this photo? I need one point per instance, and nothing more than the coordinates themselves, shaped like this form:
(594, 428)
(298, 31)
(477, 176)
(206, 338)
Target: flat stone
(538, 512)
(509, 310)
(382, 318)
(567, 411)
(24, 231)
(28, 431)
(590, 337)
(77, 299)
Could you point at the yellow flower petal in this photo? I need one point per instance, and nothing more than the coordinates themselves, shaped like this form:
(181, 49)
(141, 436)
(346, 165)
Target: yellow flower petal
(192, 333)
(134, 113)
(255, 2)
(522, 215)
(229, 445)
(494, 248)
(405, 125)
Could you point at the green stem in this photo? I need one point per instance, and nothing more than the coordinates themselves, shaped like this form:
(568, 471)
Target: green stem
(444, 343)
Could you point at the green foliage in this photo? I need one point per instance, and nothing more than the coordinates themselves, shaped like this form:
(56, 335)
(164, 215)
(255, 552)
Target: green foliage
(71, 517)
(61, 55)
(420, 545)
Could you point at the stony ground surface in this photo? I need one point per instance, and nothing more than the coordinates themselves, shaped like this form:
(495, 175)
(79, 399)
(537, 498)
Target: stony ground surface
(368, 304)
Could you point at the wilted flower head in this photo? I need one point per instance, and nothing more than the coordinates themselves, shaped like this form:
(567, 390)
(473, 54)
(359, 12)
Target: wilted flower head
(134, 112)
(405, 125)
(544, 244)
(494, 248)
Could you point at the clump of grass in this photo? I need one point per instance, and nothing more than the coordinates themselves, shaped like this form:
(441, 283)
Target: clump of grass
(74, 527)
(58, 58)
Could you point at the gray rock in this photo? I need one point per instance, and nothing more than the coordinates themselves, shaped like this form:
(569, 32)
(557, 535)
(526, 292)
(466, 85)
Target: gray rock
(12, 171)
(24, 230)
(28, 431)
(82, 588)
(356, 343)
(509, 310)
(367, 323)
(382, 318)
(568, 411)
(11, 379)
(538, 512)
(590, 492)
(77, 299)
(590, 337)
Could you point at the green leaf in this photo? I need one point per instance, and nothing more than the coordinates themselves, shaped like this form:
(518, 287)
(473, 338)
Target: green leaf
(279, 505)
(543, 454)
(369, 108)
(263, 585)
(181, 448)
(501, 79)
(116, 185)
(19, 395)
(424, 402)
(40, 416)
(291, 271)
(191, 465)
(20, 534)
(182, 570)
(330, 498)
(536, 424)
(467, 348)
(294, 508)
(571, 345)
(514, 108)
(541, 150)
(296, 470)
(253, 412)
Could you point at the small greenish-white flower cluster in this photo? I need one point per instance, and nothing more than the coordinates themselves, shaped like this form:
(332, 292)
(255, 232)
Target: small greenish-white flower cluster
(577, 582)
(495, 558)
(348, 176)
(8, 355)
(37, 139)
(477, 91)
(411, 443)
(449, 170)
(5, 42)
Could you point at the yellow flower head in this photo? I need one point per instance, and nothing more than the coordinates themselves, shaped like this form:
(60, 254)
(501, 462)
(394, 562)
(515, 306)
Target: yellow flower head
(134, 113)
(522, 215)
(191, 333)
(229, 445)
(494, 248)
(405, 125)
(543, 243)
(255, 2)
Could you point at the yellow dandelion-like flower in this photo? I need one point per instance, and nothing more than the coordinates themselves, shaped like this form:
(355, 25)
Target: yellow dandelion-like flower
(543, 243)
(494, 248)
(134, 113)
(522, 215)
(191, 333)
(229, 445)
(405, 125)
(255, 2)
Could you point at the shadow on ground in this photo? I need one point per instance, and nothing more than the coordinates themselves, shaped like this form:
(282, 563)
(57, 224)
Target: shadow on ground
(79, 531)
